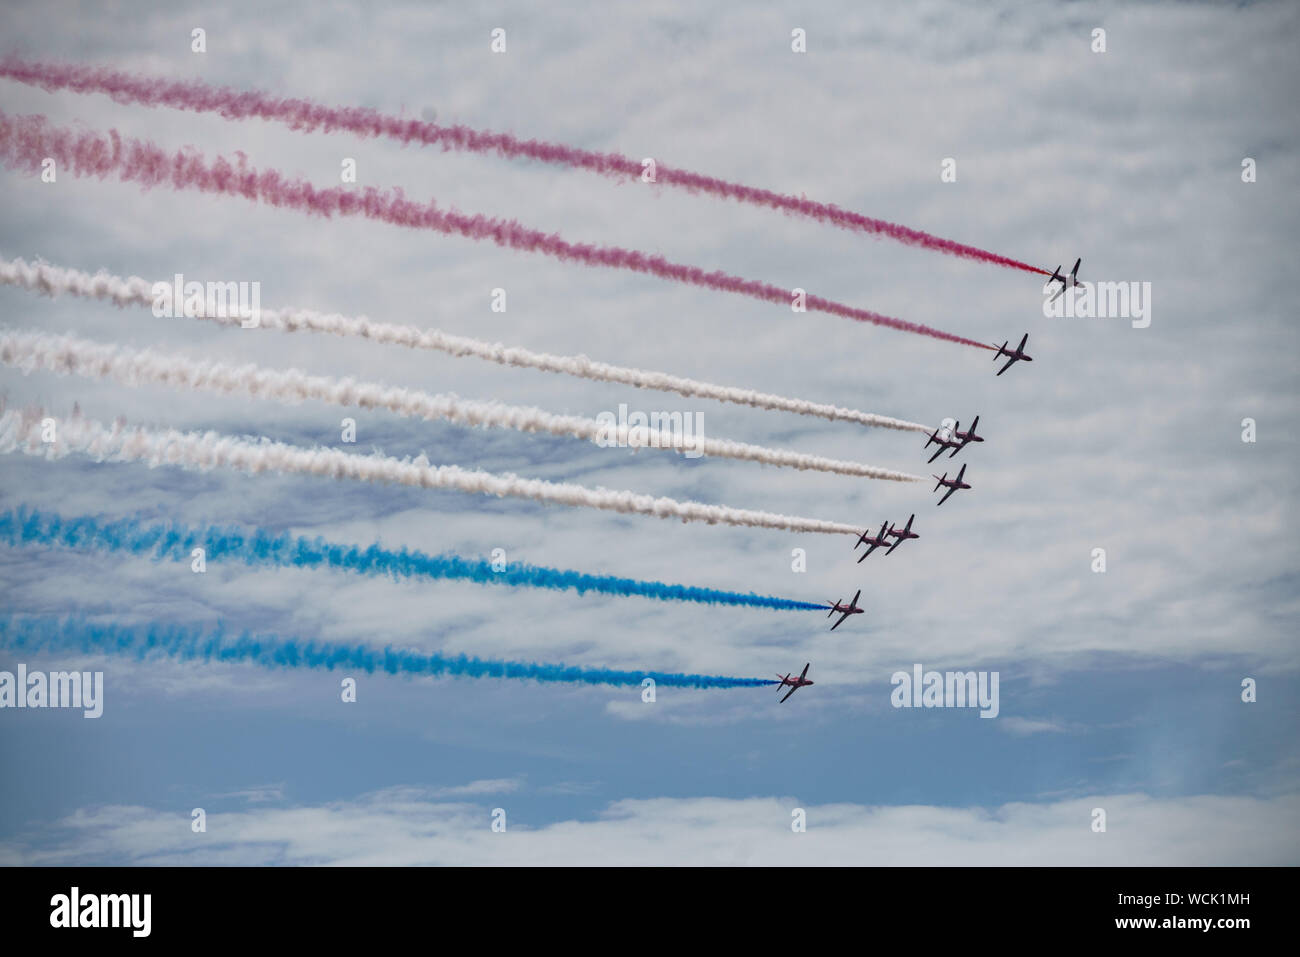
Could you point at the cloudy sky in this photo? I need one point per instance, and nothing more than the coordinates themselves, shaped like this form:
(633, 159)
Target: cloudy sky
(1119, 690)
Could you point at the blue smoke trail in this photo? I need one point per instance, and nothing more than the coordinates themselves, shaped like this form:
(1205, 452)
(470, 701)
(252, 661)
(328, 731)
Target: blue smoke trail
(24, 526)
(24, 633)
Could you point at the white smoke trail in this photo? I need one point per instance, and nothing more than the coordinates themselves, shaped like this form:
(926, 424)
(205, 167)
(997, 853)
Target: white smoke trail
(52, 280)
(69, 355)
(30, 431)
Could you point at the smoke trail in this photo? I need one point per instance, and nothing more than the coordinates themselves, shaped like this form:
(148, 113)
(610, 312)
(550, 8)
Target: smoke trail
(23, 633)
(26, 141)
(26, 432)
(69, 355)
(306, 115)
(52, 280)
(260, 549)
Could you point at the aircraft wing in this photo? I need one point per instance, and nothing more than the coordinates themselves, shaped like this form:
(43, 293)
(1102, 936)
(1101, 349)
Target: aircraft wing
(946, 494)
(787, 694)
(868, 551)
(895, 545)
(804, 674)
(1010, 363)
(938, 453)
(840, 622)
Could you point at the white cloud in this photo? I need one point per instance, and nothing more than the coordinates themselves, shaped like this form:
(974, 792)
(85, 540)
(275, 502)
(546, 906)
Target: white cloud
(407, 827)
(476, 788)
(1026, 726)
(261, 794)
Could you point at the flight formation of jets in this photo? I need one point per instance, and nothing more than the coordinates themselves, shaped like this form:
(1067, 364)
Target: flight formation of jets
(951, 441)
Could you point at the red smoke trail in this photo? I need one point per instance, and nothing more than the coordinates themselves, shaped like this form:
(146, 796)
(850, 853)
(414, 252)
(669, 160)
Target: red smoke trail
(363, 121)
(26, 140)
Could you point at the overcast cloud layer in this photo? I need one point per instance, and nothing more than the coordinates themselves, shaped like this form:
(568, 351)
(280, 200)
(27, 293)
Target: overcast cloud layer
(1119, 690)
